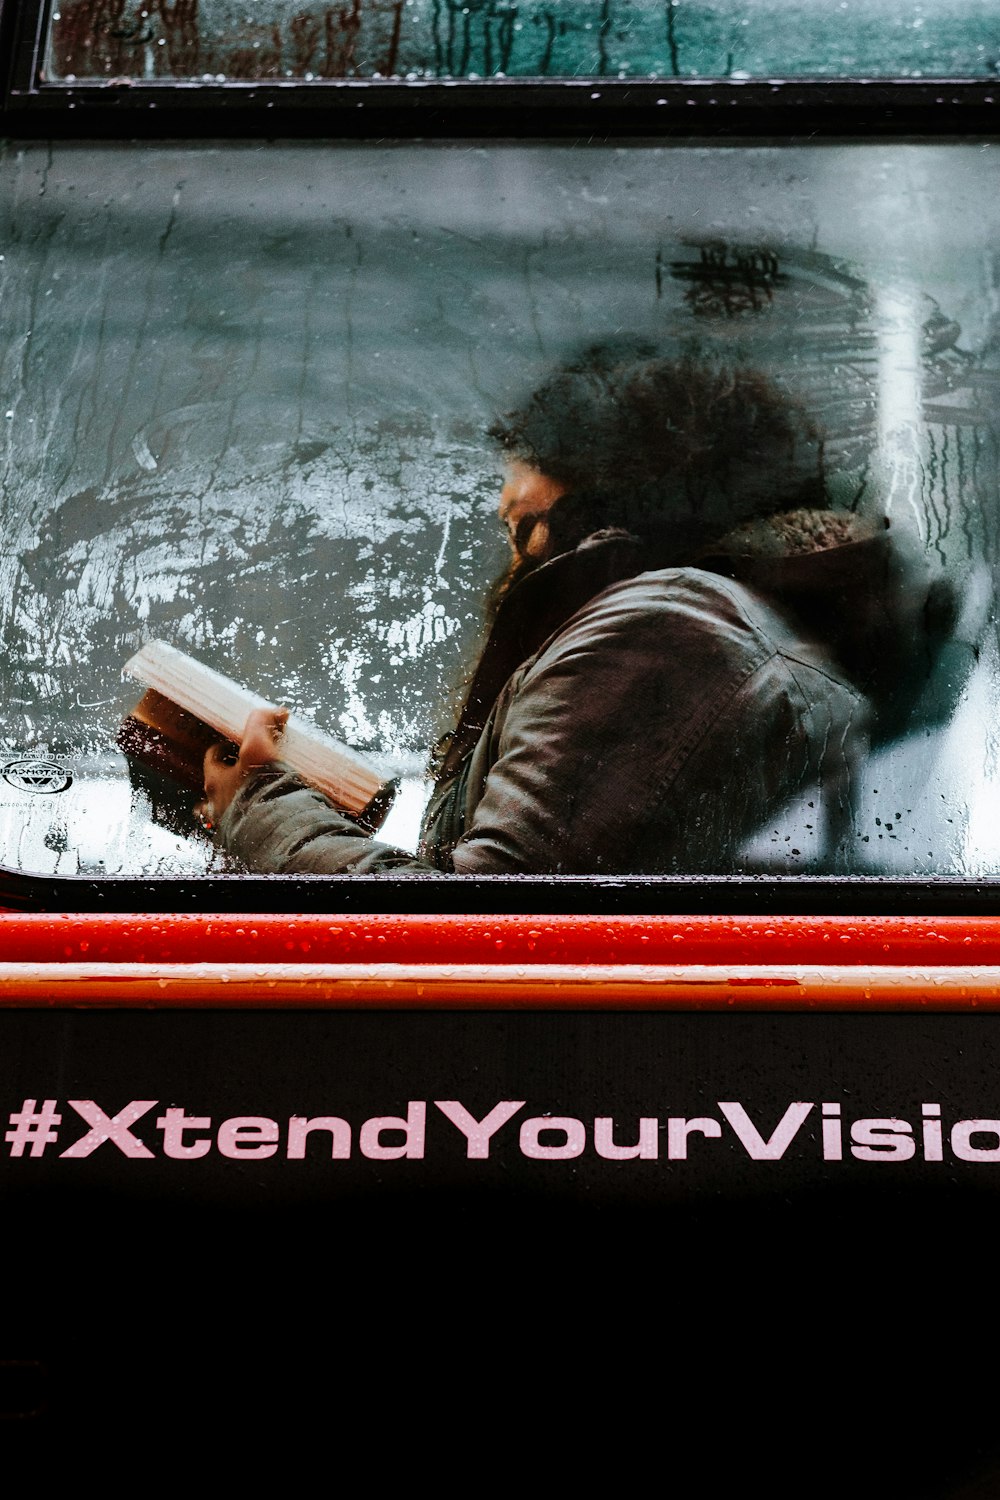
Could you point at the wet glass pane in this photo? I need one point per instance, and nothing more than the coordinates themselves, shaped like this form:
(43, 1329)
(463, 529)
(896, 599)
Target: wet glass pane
(279, 39)
(246, 401)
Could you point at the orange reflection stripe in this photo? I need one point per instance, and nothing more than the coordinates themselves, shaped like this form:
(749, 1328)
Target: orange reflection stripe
(498, 940)
(488, 986)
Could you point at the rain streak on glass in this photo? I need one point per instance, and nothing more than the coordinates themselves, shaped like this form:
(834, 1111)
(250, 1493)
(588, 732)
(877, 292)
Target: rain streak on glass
(418, 39)
(244, 400)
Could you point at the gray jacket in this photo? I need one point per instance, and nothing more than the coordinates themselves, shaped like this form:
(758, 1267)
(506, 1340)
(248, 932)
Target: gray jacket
(663, 727)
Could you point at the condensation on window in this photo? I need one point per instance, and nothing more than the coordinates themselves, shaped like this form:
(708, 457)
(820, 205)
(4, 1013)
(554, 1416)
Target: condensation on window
(245, 397)
(417, 39)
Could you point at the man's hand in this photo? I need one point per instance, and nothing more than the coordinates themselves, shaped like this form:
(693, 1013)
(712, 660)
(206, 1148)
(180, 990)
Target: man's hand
(224, 777)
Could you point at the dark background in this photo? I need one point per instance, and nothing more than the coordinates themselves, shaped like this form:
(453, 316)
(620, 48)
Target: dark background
(833, 1323)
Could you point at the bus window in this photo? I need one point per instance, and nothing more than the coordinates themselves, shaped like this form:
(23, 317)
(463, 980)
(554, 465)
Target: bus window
(247, 399)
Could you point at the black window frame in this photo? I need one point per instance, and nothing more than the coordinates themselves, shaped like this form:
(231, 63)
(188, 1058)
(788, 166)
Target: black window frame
(698, 111)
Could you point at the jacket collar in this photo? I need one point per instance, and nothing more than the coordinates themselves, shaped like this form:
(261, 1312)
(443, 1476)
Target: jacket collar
(535, 608)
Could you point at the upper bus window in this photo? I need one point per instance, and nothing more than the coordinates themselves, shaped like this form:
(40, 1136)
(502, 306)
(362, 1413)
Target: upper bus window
(656, 487)
(303, 39)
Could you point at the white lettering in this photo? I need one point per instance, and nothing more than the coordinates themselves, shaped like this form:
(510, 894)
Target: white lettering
(933, 1149)
(109, 1128)
(647, 1148)
(882, 1140)
(678, 1131)
(775, 1147)
(961, 1140)
(299, 1129)
(573, 1130)
(248, 1135)
(478, 1133)
(412, 1128)
(173, 1123)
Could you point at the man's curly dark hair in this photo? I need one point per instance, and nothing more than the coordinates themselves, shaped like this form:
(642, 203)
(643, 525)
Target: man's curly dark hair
(669, 450)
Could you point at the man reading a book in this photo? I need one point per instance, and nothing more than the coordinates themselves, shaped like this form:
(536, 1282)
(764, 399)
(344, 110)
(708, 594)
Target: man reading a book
(691, 639)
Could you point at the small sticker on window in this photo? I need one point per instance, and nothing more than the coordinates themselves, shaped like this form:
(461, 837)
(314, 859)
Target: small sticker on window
(44, 777)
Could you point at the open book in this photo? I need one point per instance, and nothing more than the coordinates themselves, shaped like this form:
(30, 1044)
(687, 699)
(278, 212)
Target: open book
(189, 707)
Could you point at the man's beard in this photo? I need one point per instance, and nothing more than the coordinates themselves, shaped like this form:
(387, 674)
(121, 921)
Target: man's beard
(452, 747)
(521, 564)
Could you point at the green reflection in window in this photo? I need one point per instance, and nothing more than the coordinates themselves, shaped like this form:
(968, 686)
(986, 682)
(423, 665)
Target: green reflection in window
(305, 39)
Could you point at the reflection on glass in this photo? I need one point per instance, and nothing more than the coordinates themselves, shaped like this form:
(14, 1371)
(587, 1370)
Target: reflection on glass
(247, 395)
(277, 39)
